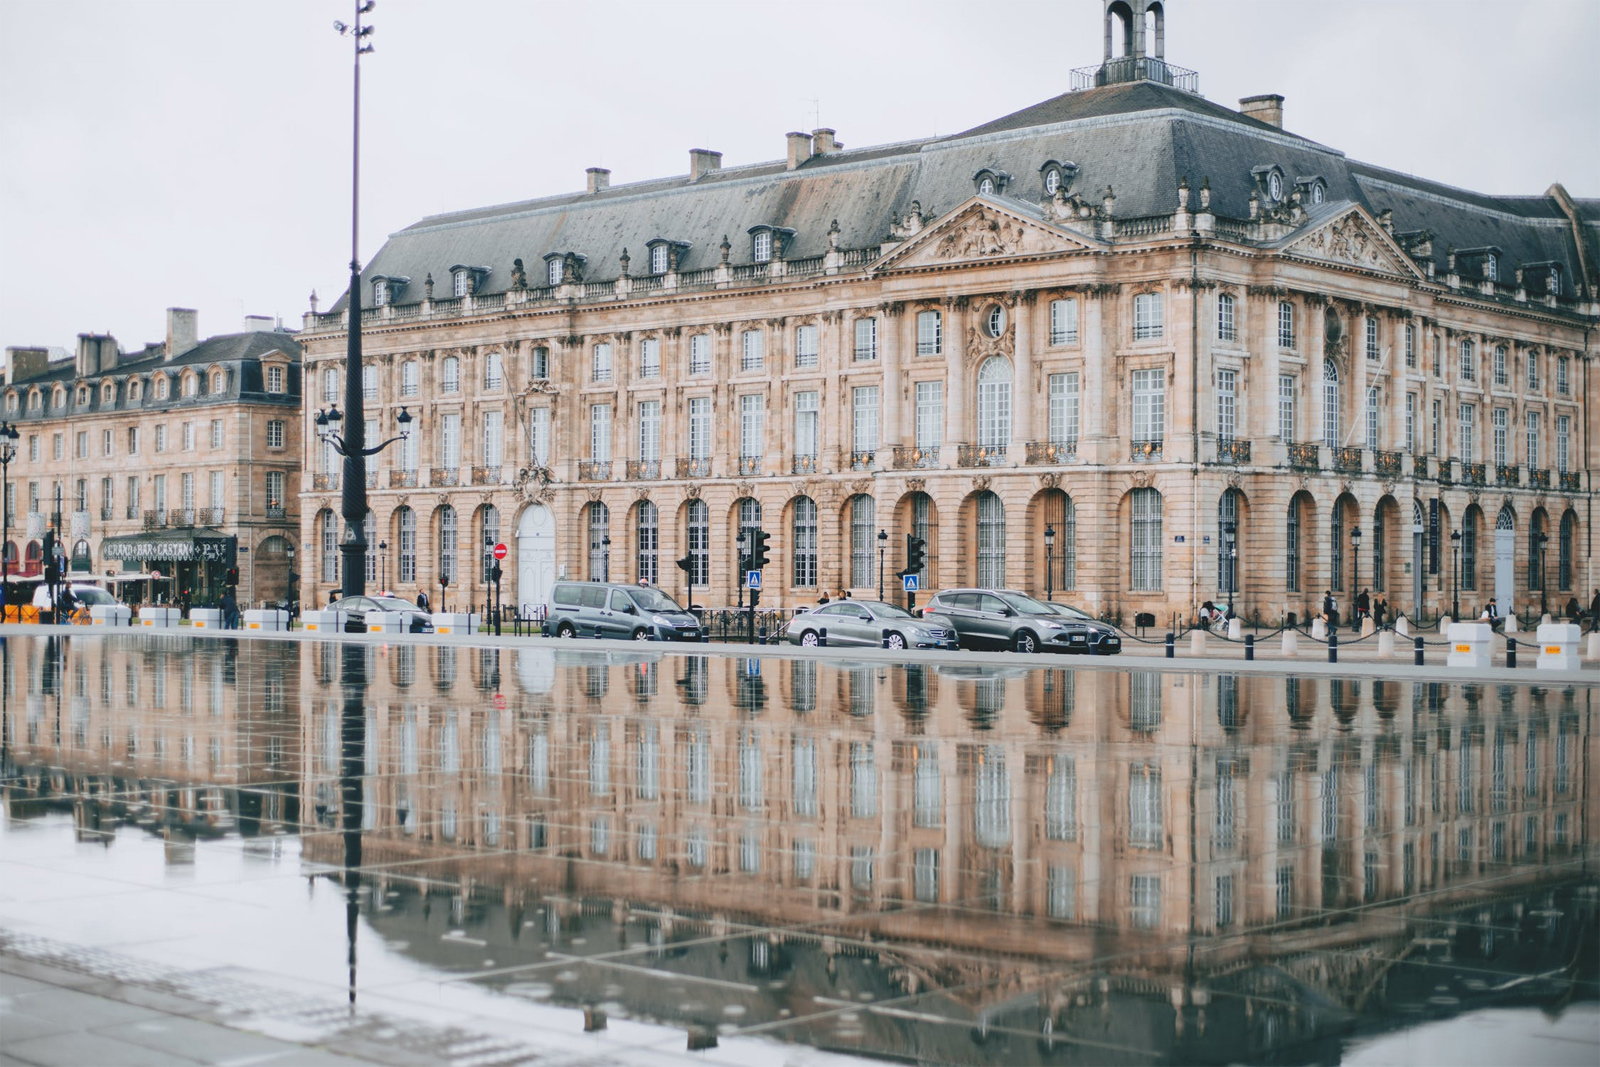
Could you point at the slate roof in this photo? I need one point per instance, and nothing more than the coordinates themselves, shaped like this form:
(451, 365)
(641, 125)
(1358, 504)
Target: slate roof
(1138, 138)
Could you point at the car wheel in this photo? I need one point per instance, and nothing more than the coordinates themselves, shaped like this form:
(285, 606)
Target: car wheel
(1025, 642)
(641, 634)
(565, 630)
(809, 639)
(896, 641)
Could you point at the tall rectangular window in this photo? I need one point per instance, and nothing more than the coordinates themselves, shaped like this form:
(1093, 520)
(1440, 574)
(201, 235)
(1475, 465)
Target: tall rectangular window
(1226, 404)
(410, 378)
(216, 434)
(753, 349)
(1502, 373)
(752, 425)
(538, 436)
(1063, 322)
(1562, 384)
(450, 442)
(930, 414)
(650, 357)
(276, 481)
(930, 333)
(1438, 356)
(600, 433)
(541, 362)
(1563, 441)
(107, 442)
(1434, 430)
(1147, 547)
(1533, 439)
(700, 427)
(82, 445)
(650, 431)
(1286, 407)
(1469, 361)
(1411, 345)
(133, 493)
(1372, 338)
(805, 346)
(1285, 324)
(805, 423)
(866, 347)
(274, 379)
(1498, 420)
(369, 383)
(107, 491)
(493, 438)
(1533, 370)
(1064, 410)
(188, 437)
(1467, 415)
(700, 354)
(1372, 417)
(494, 375)
(600, 371)
(1226, 330)
(864, 415)
(187, 485)
(161, 440)
(1148, 320)
(1149, 406)
(275, 433)
(1411, 422)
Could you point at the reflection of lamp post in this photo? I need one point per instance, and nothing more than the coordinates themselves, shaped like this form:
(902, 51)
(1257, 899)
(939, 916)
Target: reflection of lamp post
(1230, 530)
(883, 546)
(1455, 575)
(1541, 539)
(1049, 560)
(383, 557)
(1355, 571)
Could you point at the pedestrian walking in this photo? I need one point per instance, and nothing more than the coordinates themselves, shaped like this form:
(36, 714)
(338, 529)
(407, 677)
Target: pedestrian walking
(1594, 612)
(230, 610)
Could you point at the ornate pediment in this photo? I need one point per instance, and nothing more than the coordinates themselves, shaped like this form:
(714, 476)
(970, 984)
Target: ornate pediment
(1352, 239)
(980, 230)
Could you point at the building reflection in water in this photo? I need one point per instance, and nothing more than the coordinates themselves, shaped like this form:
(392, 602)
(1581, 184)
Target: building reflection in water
(944, 862)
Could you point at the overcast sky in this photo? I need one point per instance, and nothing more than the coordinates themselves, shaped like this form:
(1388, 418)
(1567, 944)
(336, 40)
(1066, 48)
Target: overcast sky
(197, 152)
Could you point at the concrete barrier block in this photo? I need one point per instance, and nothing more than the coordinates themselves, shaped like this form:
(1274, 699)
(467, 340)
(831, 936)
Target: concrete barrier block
(385, 622)
(1197, 643)
(265, 619)
(159, 618)
(1319, 630)
(455, 623)
(1386, 644)
(1470, 645)
(1291, 643)
(1235, 629)
(1594, 645)
(1511, 625)
(1445, 623)
(320, 621)
(1368, 627)
(1558, 646)
(1402, 626)
(205, 618)
(110, 615)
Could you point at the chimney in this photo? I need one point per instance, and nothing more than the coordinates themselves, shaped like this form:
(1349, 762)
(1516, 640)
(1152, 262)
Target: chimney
(703, 161)
(799, 148)
(260, 324)
(24, 363)
(88, 361)
(1267, 108)
(183, 331)
(599, 179)
(822, 142)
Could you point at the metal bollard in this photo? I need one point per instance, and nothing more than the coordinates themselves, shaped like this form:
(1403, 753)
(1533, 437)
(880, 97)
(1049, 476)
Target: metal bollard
(761, 636)
(1249, 647)
(1333, 647)
(1416, 644)
(1511, 652)
(822, 637)
(1172, 644)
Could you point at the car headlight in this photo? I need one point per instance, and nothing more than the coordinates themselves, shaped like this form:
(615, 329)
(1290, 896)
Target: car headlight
(660, 620)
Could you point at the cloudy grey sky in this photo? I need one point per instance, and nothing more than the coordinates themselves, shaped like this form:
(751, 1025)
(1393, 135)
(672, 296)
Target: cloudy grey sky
(196, 152)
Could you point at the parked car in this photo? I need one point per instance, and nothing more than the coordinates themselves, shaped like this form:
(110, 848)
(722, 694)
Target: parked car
(868, 622)
(1087, 634)
(608, 609)
(84, 593)
(355, 608)
(1005, 618)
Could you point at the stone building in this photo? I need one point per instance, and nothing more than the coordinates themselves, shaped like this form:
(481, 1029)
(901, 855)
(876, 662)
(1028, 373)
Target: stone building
(180, 458)
(1103, 348)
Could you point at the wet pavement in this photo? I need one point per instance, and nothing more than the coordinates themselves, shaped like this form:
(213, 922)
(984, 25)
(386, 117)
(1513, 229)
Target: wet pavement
(415, 853)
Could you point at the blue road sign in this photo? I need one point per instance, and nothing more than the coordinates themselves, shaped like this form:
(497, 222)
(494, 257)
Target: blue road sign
(753, 579)
(909, 581)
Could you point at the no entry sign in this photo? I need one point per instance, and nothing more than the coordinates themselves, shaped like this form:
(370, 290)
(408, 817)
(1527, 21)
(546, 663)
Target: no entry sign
(500, 550)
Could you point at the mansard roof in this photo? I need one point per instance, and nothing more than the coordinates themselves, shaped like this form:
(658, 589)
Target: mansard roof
(1139, 139)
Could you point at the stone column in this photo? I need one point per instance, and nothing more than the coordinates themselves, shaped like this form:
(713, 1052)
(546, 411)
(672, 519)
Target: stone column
(957, 380)
(833, 405)
(1098, 397)
(1024, 402)
(893, 402)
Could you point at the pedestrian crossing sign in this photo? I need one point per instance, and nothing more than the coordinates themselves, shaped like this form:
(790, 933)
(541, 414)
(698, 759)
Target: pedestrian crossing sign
(753, 579)
(910, 582)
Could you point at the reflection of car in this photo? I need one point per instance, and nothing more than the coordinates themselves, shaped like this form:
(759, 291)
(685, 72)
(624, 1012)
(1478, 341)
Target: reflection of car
(868, 622)
(416, 620)
(1005, 618)
(607, 609)
(1086, 633)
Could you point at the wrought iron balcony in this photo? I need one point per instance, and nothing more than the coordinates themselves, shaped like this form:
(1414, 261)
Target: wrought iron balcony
(1347, 459)
(1507, 474)
(907, 458)
(133, 511)
(594, 470)
(372, 479)
(444, 476)
(1051, 451)
(323, 483)
(105, 513)
(485, 475)
(1473, 474)
(980, 455)
(180, 517)
(1447, 472)
(750, 466)
(209, 516)
(803, 464)
(1419, 467)
(643, 470)
(1305, 457)
(695, 468)
(277, 512)
(402, 479)
(1539, 477)
(1570, 482)
(862, 459)
(1386, 464)
(1145, 450)
(1232, 450)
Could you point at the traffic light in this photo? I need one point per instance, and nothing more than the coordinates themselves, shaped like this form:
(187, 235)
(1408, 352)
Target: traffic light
(686, 564)
(758, 557)
(233, 576)
(916, 555)
(495, 573)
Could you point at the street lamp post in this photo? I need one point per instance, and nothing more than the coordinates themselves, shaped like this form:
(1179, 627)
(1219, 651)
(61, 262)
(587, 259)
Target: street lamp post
(1540, 540)
(1049, 561)
(605, 558)
(383, 556)
(1355, 572)
(8, 452)
(1455, 575)
(883, 546)
(1231, 530)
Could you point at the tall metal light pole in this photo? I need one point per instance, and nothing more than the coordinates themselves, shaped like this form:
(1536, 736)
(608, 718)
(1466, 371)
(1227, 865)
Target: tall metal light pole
(1455, 575)
(1049, 561)
(383, 553)
(883, 546)
(8, 452)
(1540, 540)
(1231, 529)
(1355, 572)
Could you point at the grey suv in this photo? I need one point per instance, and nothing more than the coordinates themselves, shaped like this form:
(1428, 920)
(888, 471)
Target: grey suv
(605, 609)
(1005, 618)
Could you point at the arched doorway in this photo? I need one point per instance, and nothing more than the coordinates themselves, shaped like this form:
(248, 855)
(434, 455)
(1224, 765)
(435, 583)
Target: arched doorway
(536, 558)
(1505, 560)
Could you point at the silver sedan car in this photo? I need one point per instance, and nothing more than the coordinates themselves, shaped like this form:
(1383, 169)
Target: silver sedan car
(868, 622)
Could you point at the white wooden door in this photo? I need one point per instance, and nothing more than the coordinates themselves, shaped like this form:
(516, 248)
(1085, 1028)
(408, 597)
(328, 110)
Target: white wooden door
(536, 557)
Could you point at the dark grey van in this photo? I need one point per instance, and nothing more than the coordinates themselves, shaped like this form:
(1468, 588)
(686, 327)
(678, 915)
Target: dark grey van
(628, 612)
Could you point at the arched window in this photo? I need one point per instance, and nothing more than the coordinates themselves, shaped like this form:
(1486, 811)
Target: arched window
(749, 511)
(599, 542)
(1226, 330)
(1330, 403)
(991, 540)
(369, 530)
(699, 531)
(804, 540)
(863, 512)
(408, 546)
(1538, 544)
(1060, 516)
(922, 526)
(1291, 547)
(1144, 538)
(1469, 547)
(647, 534)
(994, 402)
(1336, 546)
(1227, 542)
(1379, 552)
(1564, 547)
(449, 542)
(490, 537)
(330, 546)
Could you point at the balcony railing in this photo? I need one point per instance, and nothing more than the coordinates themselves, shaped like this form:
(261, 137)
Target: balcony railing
(1507, 474)
(1419, 467)
(1145, 450)
(643, 470)
(1447, 472)
(1305, 457)
(105, 513)
(862, 459)
(801, 464)
(1347, 459)
(372, 479)
(1473, 474)
(1570, 482)
(1135, 68)
(1539, 477)
(322, 483)
(907, 458)
(209, 516)
(133, 511)
(1386, 464)
(980, 455)
(277, 512)
(750, 466)
(181, 517)
(594, 470)
(402, 479)
(485, 475)
(1051, 452)
(695, 468)
(444, 476)
(152, 519)
(1233, 450)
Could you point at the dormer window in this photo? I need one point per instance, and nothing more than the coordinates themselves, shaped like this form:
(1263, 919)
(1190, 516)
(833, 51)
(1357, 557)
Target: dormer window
(216, 382)
(108, 393)
(1274, 187)
(1491, 268)
(35, 400)
(1269, 182)
(563, 268)
(658, 259)
(11, 403)
(58, 399)
(990, 182)
(1553, 280)
(83, 395)
(134, 390)
(553, 270)
(161, 388)
(665, 254)
(463, 281)
(1057, 176)
(191, 385)
(761, 247)
(380, 292)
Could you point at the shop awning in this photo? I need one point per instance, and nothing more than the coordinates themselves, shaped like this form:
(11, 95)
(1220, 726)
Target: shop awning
(171, 546)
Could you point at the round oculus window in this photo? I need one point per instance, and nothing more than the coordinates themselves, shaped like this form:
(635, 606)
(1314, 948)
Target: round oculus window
(986, 187)
(995, 322)
(1275, 186)
(1052, 181)
(1317, 193)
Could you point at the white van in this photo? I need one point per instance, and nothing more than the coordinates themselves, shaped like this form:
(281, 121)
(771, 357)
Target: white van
(87, 595)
